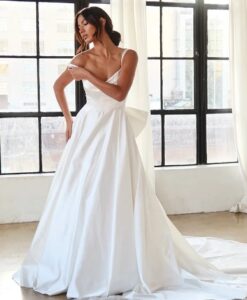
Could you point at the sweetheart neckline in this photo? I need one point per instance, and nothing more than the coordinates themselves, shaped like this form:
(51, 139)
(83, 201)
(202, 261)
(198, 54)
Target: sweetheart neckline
(109, 77)
(113, 75)
(106, 81)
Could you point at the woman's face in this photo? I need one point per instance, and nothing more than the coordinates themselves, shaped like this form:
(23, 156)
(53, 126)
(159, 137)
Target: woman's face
(86, 30)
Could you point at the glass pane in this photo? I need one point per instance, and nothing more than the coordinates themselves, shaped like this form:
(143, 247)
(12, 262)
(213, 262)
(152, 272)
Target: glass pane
(19, 145)
(218, 84)
(178, 84)
(220, 138)
(53, 141)
(177, 32)
(153, 31)
(56, 28)
(218, 33)
(154, 83)
(17, 28)
(156, 129)
(216, 1)
(180, 139)
(18, 85)
(50, 69)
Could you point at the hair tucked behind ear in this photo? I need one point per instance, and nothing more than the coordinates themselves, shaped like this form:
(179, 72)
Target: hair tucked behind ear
(92, 15)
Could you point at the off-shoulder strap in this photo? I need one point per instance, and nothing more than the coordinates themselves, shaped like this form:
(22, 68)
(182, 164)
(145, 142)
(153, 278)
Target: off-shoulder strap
(123, 53)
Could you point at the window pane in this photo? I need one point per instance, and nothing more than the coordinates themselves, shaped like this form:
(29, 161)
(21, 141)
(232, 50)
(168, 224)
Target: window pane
(17, 28)
(19, 145)
(218, 33)
(216, 1)
(153, 31)
(178, 84)
(180, 139)
(156, 129)
(53, 141)
(220, 138)
(154, 83)
(56, 28)
(50, 69)
(18, 85)
(218, 84)
(177, 32)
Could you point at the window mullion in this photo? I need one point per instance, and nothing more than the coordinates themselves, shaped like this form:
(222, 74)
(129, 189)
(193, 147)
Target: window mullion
(79, 90)
(201, 80)
(162, 116)
(38, 88)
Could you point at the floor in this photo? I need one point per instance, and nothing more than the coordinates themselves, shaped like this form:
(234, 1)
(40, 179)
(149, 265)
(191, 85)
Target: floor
(15, 240)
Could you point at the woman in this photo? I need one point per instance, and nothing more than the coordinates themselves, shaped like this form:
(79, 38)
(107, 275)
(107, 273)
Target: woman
(97, 29)
(103, 231)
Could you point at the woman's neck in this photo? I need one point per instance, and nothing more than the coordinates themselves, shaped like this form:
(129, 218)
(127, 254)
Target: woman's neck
(105, 46)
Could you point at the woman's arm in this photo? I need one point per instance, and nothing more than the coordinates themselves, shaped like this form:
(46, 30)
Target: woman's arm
(117, 91)
(62, 81)
(59, 85)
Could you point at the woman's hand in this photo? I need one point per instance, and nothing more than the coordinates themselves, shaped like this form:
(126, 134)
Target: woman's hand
(78, 73)
(68, 133)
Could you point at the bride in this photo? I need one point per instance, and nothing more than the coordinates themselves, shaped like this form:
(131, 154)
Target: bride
(103, 231)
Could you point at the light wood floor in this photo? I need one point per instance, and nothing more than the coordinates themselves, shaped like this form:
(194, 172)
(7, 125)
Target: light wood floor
(15, 240)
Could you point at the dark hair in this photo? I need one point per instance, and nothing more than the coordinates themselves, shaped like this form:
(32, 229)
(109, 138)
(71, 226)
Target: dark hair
(92, 15)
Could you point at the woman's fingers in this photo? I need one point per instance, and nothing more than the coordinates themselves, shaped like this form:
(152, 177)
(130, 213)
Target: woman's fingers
(68, 132)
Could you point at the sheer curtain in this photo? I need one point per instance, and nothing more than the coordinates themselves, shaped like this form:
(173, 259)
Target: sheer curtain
(238, 71)
(129, 18)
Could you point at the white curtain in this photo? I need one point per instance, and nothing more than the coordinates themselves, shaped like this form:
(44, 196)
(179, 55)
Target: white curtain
(129, 18)
(238, 71)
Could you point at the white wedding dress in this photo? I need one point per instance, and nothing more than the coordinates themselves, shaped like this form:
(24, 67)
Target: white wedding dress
(104, 232)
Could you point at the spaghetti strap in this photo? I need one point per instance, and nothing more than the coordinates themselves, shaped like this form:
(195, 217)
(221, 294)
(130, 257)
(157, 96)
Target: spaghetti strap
(123, 53)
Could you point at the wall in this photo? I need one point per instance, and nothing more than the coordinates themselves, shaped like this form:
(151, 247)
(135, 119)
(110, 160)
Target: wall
(180, 190)
(199, 189)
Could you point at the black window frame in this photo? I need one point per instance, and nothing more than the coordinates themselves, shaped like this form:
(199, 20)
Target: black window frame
(80, 97)
(200, 78)
(200, 58)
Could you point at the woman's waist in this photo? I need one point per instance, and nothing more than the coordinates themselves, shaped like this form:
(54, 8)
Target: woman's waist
(102, 104)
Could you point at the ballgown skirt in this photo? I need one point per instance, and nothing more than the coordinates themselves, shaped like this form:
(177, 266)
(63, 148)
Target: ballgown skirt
(103, 231)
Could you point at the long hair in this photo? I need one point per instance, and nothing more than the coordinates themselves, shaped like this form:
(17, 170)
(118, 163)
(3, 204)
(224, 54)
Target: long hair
(92, 15)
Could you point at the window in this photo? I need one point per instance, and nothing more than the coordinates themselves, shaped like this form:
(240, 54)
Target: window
(33, 52)
(188, 68)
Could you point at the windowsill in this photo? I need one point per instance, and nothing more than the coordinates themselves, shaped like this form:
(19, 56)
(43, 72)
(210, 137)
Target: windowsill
(235, 164)
(26, 175)
(157, 169)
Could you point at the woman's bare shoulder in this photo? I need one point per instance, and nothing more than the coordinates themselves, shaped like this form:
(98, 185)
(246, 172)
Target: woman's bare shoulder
(131, 56)
(129, 50)
(81, 58)
(131, 53)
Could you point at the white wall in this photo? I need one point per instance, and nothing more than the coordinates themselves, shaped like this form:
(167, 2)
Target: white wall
(199, 189)
(180, 190)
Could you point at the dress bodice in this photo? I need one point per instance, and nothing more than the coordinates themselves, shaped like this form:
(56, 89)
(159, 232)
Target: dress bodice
(98, 99)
